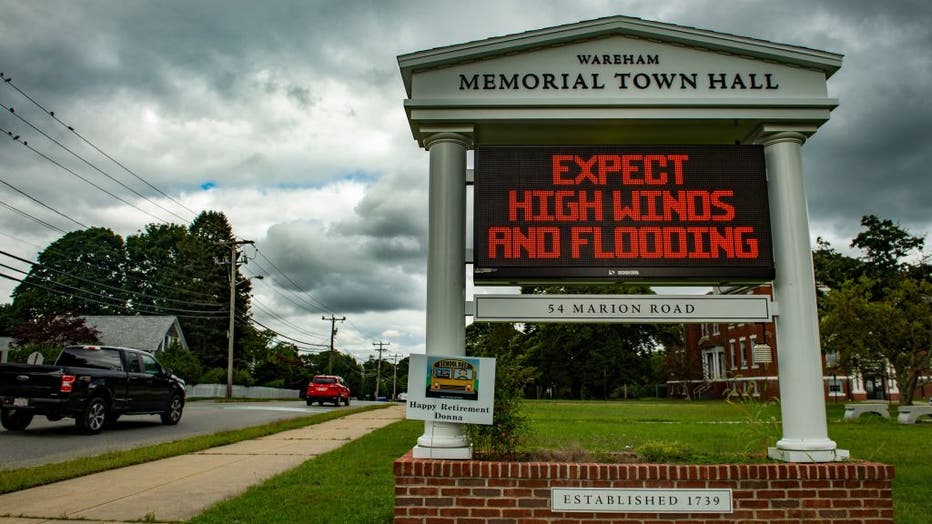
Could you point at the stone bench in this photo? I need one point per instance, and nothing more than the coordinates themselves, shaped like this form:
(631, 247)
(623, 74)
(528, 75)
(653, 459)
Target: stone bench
(854, 411)
(909, 414)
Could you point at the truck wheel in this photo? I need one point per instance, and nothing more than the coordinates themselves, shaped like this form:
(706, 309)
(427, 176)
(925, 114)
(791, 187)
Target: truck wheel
(346, 401)
(310, 402)
(13, 420)
(94, 416)
(175, 408)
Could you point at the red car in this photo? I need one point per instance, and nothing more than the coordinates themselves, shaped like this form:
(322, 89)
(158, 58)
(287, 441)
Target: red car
(328, 388)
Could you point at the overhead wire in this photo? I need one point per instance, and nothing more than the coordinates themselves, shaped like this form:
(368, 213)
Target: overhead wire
(89, 163)
(25, 144)
(8, 80)
(41, 203)
(27, 215)
(101, 284)
(180, 313)
(322, 306)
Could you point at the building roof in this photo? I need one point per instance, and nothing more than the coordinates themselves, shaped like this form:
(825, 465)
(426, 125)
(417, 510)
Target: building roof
(136, 331)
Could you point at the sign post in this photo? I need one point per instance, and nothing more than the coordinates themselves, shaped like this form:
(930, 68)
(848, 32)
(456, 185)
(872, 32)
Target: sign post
(626, 150)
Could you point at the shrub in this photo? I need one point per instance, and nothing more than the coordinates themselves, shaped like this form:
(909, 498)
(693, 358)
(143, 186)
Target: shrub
(214, 376)
(507, 434)
(241, 377)
(182, 362)
(19, 354)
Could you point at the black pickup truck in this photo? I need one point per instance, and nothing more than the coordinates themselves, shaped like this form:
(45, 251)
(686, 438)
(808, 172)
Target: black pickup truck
(92, 384)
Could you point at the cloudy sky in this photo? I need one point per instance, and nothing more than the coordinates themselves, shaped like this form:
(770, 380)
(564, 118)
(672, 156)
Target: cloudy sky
(287, 116)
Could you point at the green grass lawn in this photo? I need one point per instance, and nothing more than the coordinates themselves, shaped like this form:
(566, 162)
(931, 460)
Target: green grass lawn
(355, 485)
(352, 484)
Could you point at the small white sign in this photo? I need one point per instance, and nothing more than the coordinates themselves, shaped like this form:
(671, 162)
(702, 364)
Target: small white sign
(641, 500)
(455, 389)
(623, 308)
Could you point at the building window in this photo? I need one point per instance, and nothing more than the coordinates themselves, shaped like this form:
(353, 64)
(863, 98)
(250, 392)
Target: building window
(752, 344)
(704, 330)
(743, 353)
(835, 388)
(734, 354)
(713, 361)
(715, 330)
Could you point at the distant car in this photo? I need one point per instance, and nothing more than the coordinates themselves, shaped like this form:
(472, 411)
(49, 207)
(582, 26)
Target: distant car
(328, 388)
(403, 396)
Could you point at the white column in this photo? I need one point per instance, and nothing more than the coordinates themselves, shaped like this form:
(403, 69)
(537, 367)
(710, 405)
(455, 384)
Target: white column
(446, 278)
(802, 400)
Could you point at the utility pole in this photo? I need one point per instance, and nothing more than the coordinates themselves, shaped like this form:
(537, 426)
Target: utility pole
(234, 253)
(394, 377)
(378, 368)
(333, 331)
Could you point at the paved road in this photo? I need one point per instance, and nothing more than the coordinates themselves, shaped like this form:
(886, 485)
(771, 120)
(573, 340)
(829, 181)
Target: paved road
(46, 442)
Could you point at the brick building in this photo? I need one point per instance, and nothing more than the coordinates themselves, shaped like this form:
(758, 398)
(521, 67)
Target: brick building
(719, 359)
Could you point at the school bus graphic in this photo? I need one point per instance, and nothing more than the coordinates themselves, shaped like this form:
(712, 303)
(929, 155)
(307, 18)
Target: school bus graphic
(453, 378)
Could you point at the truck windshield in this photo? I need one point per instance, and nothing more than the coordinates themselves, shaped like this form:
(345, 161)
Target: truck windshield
(99, 358)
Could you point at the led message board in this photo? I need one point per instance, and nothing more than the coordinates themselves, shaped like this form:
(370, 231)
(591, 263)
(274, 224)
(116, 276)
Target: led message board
(652, 214)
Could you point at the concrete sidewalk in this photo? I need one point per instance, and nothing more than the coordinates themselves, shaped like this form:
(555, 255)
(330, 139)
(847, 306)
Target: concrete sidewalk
(178, 488)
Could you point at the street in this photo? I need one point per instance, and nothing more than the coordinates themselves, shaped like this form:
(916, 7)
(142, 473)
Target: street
(47, 442)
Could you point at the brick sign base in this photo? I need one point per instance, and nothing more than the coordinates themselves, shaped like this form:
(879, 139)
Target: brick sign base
(472, 492)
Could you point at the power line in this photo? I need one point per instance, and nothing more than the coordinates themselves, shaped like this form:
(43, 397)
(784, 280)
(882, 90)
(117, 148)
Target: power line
(27, 215)
(101, 284)
(256, 322)
(90, 164)
(136, 308)
(321, 306)
(25, 144)
(43, 204)
(9, 81)
(265, 311)
(312, 302)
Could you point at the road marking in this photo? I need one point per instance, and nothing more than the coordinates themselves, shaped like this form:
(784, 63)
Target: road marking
(272, 408)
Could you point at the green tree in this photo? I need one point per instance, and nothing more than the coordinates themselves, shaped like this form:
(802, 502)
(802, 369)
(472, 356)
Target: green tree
(206, 254)
(81, 273)
(159, 275)
(593, 360)
(886, 246)
(182, 362)
(877, 310)
(345, 366)
(7, 320)
(281, 366)
(895, 328)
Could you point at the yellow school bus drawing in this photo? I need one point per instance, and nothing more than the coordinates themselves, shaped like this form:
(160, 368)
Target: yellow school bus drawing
(453, 378)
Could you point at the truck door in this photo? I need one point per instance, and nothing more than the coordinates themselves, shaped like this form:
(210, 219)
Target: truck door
(158, 382)
(138, 396)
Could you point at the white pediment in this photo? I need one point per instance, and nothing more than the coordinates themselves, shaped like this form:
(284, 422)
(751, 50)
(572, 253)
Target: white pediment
(616, 78)
(621, 68)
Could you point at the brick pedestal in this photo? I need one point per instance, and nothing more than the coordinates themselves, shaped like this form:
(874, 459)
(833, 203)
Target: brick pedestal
(472, 492)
